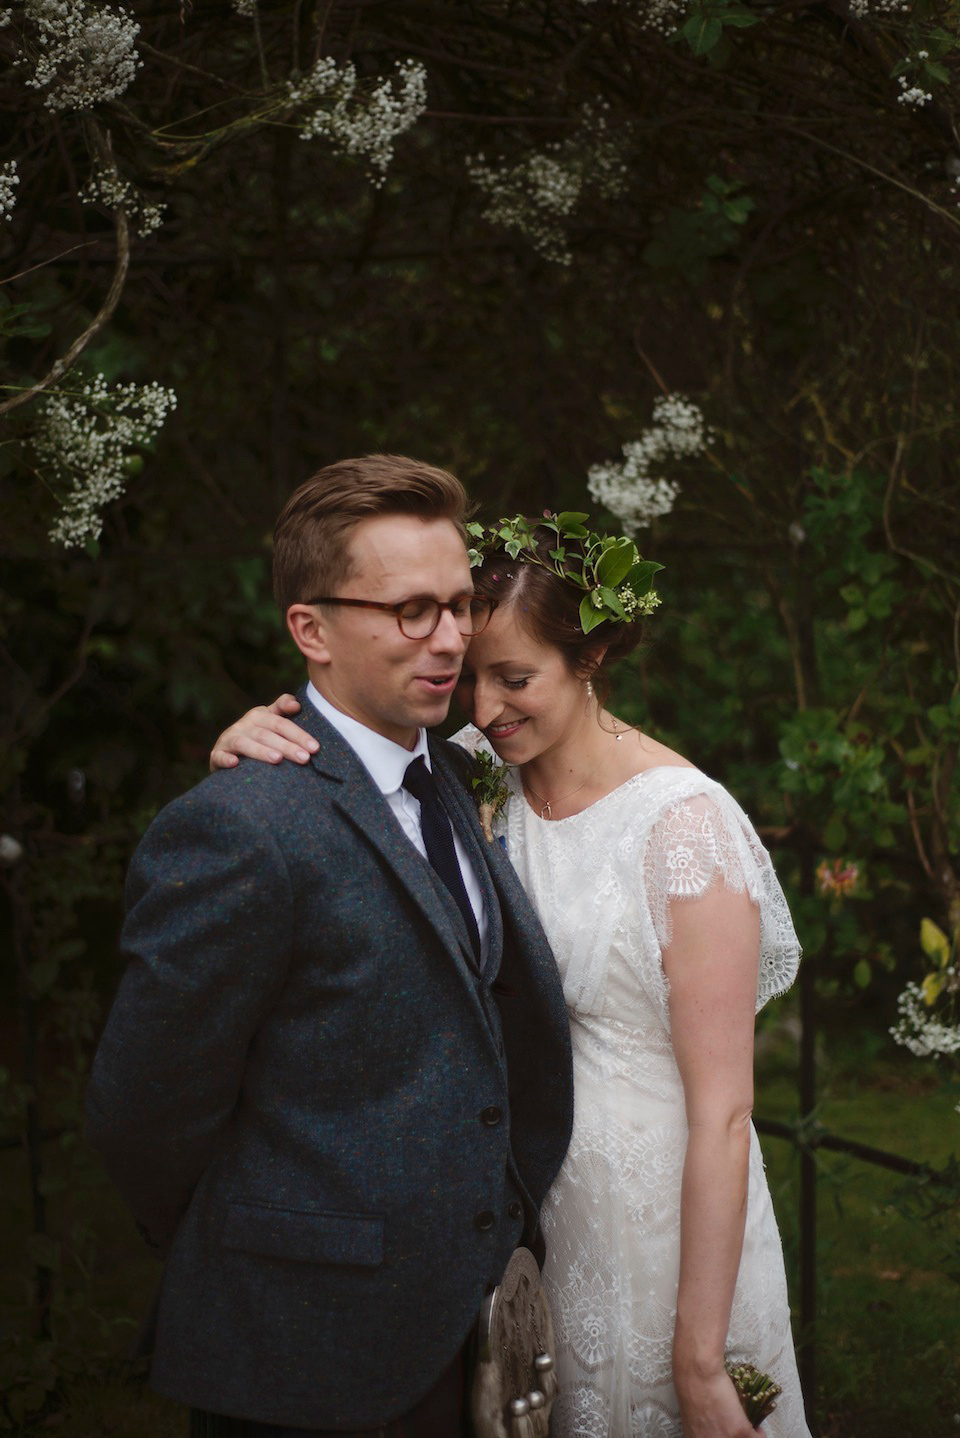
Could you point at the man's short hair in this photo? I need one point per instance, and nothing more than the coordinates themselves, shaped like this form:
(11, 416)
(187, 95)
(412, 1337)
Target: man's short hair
(311, 540)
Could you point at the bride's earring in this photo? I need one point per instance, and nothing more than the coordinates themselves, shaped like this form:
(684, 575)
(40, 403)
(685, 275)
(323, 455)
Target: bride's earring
(589, 688)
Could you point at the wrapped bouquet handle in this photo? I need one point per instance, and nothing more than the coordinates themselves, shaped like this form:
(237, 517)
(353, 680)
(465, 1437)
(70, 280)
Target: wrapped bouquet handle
(757, 1391)
(515, 1382)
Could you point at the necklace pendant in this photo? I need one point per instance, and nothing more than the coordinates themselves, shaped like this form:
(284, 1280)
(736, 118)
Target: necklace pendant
(546, 812)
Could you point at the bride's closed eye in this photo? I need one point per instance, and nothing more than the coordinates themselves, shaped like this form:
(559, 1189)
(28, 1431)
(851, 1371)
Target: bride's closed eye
(516, 683)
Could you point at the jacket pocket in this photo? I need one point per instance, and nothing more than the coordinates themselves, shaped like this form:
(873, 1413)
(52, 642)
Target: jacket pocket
(305, 1237)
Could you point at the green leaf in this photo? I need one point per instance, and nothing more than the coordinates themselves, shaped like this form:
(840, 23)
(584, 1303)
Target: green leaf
(934, 943)
(862, 974)
(835, 833)
(569, 517)
(615, 563)
(702, 34)
(612, 601)
(589, 616)
(932, 987)
(640, 577)
(737, 210)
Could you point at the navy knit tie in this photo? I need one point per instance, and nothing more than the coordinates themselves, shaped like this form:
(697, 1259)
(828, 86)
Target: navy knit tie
(438, 841)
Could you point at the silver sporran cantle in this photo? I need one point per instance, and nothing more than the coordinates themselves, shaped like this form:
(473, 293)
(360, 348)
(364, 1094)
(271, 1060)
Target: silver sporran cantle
(515, 1382)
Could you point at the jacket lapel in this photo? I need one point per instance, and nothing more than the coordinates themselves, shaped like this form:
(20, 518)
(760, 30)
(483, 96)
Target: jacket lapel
(361, 803)
(463, 814)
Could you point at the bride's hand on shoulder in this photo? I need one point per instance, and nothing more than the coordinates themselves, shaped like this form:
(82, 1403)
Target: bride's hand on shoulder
(711, 1408)
(264, 733)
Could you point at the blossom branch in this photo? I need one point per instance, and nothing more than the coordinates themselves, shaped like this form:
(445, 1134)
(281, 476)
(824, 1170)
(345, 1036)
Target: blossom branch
(66, 361)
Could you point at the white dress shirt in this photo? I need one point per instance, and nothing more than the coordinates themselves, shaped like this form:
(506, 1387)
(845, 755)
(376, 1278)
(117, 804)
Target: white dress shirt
(387, 762)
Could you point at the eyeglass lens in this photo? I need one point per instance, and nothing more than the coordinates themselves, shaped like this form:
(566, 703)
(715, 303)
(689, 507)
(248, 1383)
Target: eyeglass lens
(420, 617)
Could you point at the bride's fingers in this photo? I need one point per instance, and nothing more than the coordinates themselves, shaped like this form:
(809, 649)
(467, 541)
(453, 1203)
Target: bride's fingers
(285, 704)
(264, 735)
(242, 746)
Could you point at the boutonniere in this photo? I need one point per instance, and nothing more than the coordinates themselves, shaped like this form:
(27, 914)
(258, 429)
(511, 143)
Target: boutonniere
(757, 1391)
(489, 789)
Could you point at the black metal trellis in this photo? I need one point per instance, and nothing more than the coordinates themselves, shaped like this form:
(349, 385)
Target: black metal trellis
(808, 1136)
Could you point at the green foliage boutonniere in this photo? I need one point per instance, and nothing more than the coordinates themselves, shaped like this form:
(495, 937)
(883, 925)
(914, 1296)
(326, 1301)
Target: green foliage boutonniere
(489, 789)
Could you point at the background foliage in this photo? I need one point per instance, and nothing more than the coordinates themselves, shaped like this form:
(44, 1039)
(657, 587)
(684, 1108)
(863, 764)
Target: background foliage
(755, 205)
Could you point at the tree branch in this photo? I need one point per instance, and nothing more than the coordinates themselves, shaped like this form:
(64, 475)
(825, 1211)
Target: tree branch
(66, 362)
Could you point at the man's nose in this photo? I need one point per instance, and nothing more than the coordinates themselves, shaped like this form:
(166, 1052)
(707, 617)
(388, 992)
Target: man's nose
(446, 638)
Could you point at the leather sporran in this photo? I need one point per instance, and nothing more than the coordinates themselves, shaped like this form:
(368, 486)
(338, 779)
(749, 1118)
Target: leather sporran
(515, 1383)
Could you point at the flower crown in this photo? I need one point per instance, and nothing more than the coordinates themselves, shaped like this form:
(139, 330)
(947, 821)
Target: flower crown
(617, 582)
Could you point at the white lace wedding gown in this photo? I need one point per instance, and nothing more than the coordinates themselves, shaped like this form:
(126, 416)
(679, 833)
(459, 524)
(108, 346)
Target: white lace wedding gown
(601, 882)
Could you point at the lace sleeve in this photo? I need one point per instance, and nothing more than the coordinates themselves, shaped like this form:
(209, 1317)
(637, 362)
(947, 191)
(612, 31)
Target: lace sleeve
(471, 739)
(702, 841)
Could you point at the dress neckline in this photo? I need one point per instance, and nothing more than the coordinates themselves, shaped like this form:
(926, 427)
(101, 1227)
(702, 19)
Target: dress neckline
(641, 774)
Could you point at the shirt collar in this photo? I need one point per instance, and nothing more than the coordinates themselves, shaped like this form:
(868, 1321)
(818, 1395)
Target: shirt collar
(385, 761)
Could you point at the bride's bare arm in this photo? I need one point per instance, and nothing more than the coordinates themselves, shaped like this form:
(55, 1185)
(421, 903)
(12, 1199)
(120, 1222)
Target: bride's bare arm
(264, 733)
(711, 964)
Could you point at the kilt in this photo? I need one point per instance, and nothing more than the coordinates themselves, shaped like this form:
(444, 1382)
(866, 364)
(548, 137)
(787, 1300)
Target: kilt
(442, 1413)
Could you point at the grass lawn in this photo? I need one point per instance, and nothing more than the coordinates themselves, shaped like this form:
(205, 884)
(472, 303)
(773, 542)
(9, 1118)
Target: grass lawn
(888, 1336)
(888, 1330)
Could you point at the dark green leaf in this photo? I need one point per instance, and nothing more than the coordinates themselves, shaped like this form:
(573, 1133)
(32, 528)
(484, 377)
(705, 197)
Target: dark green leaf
(702, 34)
(589, 616)
(616, 563)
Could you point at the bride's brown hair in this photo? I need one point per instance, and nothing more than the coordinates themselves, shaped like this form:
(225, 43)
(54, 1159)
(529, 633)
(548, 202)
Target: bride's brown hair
(548, 607)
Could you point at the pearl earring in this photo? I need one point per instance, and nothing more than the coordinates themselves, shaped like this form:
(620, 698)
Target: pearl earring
(589, 688)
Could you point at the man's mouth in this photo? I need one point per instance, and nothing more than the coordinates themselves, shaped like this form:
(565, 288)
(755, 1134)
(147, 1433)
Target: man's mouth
(439, 683)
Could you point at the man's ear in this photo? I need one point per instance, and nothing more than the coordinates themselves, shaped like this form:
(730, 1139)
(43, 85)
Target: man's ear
(308, 629)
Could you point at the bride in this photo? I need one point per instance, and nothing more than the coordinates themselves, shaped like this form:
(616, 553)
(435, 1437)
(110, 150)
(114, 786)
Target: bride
(670, 930)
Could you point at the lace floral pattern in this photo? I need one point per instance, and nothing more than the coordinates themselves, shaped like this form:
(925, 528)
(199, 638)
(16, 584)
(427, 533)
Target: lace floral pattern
(602, 882)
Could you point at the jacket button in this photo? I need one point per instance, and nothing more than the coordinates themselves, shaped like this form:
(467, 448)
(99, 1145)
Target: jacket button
(491, 1116)
(485, 1220)
(515, 1209)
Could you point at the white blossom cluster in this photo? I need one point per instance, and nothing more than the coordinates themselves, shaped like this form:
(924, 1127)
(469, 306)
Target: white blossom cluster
(662, 15)
(629, 489)
(85, 54)
(911, 94)
(9, 180)
(918, 1030)
(659, 15)
(862, 8)
(538, 193)
(85, 445)
(246, 8)
(359, 121)
(533, 196)
(106, 186)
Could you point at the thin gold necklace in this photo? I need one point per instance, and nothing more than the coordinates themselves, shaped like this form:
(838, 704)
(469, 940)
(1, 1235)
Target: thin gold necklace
(547, 811)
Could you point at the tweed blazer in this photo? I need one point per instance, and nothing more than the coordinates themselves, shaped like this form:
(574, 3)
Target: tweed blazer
(313, 1103)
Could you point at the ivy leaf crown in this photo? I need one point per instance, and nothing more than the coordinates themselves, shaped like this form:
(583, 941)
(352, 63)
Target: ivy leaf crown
(617, 582)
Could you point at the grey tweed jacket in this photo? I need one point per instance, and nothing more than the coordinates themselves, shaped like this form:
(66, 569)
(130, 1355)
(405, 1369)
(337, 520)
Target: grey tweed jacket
(314, 1105)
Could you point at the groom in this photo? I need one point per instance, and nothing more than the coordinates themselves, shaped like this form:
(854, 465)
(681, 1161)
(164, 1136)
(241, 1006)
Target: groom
(335, 1085)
